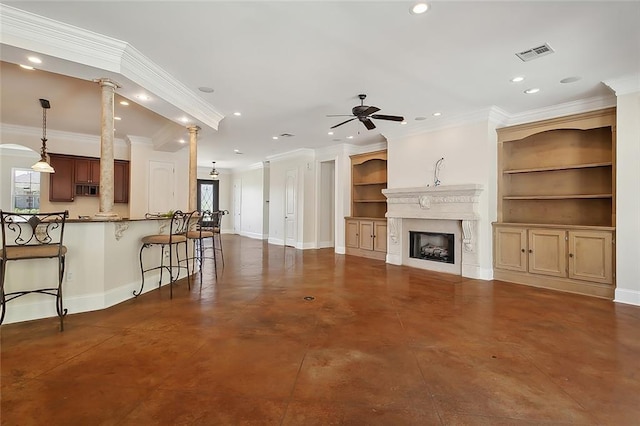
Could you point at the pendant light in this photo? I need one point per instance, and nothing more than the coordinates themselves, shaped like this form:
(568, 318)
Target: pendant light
(214, 173)
(43, 165)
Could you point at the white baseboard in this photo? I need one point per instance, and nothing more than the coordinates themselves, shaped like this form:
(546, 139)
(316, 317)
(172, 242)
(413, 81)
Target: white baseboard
(394, 259)
(276, 241)
(340, 250)
(630, 297)
(254, 235)
(45, 306)
(476, 272)
(325, 244)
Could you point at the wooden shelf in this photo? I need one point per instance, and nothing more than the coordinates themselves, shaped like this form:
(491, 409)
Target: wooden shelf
(557, 197)
(369, 183)
(554, 168)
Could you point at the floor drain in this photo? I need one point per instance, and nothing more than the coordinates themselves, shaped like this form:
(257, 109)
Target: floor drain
(309, 298)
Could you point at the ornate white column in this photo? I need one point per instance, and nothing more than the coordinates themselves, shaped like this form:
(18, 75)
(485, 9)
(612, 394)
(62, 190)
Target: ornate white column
(108, 87)
(193, 167)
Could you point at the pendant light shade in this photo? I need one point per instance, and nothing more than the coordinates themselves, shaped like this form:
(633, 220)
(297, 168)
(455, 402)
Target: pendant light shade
(214, 173)
(43, 165)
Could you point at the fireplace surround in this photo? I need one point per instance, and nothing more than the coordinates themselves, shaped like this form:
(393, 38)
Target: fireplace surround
(450, 209)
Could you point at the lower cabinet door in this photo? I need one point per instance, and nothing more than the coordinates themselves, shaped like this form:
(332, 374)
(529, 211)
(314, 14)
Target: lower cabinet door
(591, 256)
(548, 252)
(366, 234)
(380, 236)
(352, 237)
(510, 248)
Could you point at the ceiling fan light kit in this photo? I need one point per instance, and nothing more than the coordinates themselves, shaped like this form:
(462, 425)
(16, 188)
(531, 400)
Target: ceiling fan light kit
(365, 113)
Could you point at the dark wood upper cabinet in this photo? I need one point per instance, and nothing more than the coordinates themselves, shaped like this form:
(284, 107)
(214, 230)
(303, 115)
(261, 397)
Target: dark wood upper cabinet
(61, 183)
(87, 170)
(121, 181)
(80, 176)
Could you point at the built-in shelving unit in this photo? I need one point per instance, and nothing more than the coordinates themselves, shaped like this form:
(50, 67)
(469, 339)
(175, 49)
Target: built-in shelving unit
(556, 191)
(366, 227)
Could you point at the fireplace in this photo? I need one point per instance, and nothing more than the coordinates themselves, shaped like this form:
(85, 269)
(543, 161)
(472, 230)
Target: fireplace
(441, 223)
(434, 246)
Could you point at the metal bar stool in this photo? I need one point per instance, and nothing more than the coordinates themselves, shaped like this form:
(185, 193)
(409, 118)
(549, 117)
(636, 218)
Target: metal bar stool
(212, 223)
(33, 236)
(198, 233)
(178, 226)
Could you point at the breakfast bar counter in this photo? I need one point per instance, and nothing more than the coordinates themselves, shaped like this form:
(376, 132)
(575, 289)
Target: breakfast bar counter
(102, 268)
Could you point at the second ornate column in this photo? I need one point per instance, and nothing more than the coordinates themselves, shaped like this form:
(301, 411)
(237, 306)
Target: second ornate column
(193, 167)
(108, 87)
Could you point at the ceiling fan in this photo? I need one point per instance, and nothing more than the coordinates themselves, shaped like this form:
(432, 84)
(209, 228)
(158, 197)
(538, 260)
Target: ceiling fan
(365, 113)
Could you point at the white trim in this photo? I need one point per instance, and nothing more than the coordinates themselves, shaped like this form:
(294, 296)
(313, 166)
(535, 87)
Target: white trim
(325, 244)
(276, 241)
(296, 153)
(340, 250)
(45, 306)
(40, 34)
(560, 110)
(630, 297)
(254, 235)
(624, 85)
(14, 130)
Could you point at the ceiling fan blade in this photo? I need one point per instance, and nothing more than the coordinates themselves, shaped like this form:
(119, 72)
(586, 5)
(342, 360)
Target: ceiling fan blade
(370, 111)
(387, 117)
(368, 123)
(344, 122)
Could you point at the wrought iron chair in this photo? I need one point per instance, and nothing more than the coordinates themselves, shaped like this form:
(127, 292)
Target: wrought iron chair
(33, 236)
(178, 226)
(213, 223)
(198, 233)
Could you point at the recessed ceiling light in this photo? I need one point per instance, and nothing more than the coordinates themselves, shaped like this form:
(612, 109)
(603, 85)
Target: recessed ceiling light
(531, 91)
(205, 89)
(117, 118)
(274, 137)
(330, 133)
(437, 114)
(184, 119)
(237, 151)
(420, 118)
(125, 103)
(403, 122)
(143, 97)
(570, 79)
(27, 67)
(419, 8)
(349, 137)
(237, 114)
(517, 79)
(181, 141)
(34, 59)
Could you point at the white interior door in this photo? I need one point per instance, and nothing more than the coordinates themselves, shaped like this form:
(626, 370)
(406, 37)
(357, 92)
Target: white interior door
(290, 209)
(237, 206)
(161, 187)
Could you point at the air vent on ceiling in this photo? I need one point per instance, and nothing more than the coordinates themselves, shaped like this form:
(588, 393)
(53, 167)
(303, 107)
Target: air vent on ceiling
(286, 135)
(535, 52)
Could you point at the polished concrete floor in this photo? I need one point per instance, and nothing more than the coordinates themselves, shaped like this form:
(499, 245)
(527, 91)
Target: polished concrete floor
(378, 345)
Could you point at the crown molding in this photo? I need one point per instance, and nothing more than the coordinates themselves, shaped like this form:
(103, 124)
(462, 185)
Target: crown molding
(9, 130)
(624, 85)
(39, 34)
(560, 110)
(289, 155)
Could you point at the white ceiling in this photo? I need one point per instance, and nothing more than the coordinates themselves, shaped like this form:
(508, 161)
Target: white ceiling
(285, 65)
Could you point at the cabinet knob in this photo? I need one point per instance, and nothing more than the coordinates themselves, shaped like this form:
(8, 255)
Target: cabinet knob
(523, 250)
(530, 251)
(570, 254)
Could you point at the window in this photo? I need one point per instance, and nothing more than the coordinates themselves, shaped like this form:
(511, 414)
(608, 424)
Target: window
(208, 195)
(25, 197)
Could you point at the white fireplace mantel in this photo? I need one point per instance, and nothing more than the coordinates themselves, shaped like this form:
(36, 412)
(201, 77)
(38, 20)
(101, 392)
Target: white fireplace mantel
(444, 202)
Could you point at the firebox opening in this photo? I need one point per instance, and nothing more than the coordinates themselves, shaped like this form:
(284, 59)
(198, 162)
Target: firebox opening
(435, 246)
